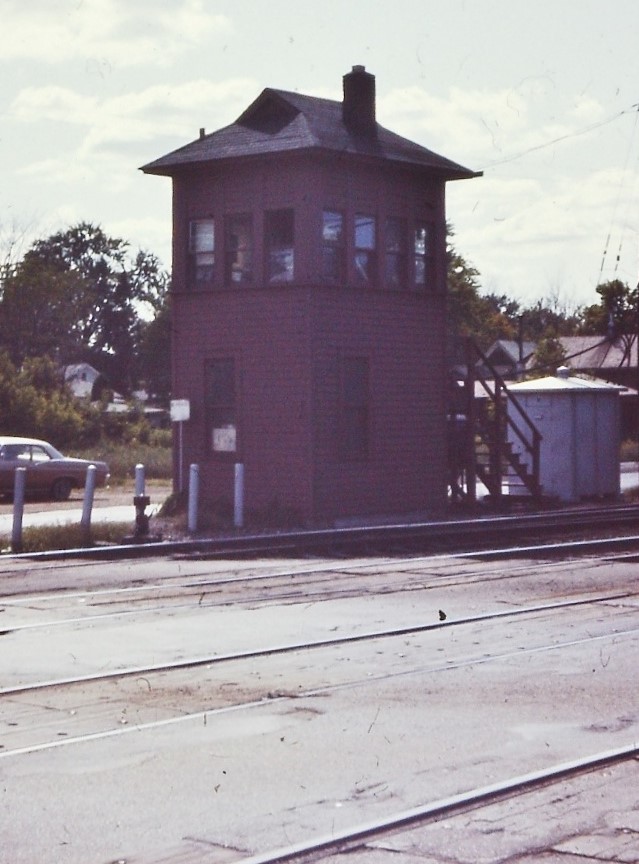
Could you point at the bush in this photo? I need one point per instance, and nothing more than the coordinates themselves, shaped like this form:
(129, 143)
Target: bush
(122, 459)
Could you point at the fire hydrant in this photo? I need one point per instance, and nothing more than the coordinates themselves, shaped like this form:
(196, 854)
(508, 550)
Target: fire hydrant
(141, 502)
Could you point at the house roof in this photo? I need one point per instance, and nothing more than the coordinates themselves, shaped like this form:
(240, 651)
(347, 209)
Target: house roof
(279, 121)
(509, 349)
(595, 352)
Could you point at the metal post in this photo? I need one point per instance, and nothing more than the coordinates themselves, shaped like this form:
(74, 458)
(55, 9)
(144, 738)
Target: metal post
(87, 505)
(140, 502)
(238, 513)
(181, 457)
(194, 488)
(139, 479)
(19, 486)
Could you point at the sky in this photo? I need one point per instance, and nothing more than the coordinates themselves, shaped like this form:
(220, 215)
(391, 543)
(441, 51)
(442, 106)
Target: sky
(542, 96)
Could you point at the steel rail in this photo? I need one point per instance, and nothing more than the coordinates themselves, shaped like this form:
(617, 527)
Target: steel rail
(352, 837)
(269, 699)
(288, 648)
(430, 534)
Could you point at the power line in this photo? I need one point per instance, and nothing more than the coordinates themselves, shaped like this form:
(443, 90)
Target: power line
(578, 132)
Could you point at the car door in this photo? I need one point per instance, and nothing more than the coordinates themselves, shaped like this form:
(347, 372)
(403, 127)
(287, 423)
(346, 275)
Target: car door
(12, 456)
(40, 469)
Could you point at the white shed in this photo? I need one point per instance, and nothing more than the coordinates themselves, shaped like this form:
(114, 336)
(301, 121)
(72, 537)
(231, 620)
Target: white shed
(579, 421)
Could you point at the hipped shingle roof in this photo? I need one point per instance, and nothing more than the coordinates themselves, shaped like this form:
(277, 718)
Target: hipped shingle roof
(279, 122)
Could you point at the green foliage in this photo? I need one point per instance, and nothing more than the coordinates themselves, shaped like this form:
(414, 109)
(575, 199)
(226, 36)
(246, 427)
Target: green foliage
(550, 354)
(615, 314)
(33, 402)
(155, 454)
(81, 295)
(485, 318)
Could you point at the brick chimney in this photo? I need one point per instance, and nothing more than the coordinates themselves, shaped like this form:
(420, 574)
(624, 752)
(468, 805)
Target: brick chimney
(358, 107)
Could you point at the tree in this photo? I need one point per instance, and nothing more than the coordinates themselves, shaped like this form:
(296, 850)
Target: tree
(79, 294)
(483, 318)
(615, 314)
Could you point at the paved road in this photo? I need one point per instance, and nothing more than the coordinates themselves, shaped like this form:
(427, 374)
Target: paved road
(110, 505)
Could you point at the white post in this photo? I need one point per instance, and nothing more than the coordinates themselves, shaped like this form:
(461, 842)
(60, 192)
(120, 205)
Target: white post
(180, 457)
(19, 486)
(87, 504)
(238, 513)
(139, 479)
(194, 488)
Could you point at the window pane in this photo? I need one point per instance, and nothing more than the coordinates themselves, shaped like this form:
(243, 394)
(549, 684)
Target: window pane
(421, 240)
(202, 250)
(333, 227)
(333, 247)
(395, 264)
(279, 245)
(203, 236)
(239, 249)
(422, 251)
(364, 232)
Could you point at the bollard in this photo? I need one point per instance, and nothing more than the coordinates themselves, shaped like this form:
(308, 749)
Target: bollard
(87, 504)
(140, 502)
(238, 510)
(194, 488)
(19, 486)
(139, 479)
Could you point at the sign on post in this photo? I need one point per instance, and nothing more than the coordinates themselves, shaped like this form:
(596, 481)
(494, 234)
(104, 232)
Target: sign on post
(180, 413)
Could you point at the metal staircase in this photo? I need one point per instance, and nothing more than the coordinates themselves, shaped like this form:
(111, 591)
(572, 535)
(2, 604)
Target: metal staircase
(501, 444)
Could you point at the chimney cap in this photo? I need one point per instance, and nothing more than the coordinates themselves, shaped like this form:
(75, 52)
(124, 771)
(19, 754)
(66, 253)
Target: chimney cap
(358, 68)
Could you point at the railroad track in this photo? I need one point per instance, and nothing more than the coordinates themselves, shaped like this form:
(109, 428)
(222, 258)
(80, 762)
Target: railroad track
(373, 661)
(473, 534)
(358, 838)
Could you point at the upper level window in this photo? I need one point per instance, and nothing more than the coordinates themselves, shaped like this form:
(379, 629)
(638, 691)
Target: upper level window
(395, 257)
(365, 242)
(333, 259)
(202, 252)
(422, 254)
(239, 249)
(278, 240)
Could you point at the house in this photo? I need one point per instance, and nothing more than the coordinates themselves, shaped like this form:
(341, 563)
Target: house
(84, 381)
(309, 296)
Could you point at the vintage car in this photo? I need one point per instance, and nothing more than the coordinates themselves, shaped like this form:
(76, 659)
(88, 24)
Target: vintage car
(49, 473)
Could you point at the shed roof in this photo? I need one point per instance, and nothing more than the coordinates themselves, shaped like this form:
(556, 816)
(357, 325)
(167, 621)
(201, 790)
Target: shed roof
(563, 384)
(279, 121)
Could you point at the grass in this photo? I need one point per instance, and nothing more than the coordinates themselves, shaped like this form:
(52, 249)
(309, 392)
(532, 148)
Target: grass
(122, 459)
(46, 538)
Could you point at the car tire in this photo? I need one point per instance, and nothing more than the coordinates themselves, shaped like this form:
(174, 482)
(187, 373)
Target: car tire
(61, 489)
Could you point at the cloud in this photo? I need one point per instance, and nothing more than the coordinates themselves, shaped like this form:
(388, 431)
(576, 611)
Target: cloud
(106, 32)
(116, 123)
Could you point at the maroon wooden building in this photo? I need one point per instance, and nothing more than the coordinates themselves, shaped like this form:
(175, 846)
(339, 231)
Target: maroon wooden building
(309, 305)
